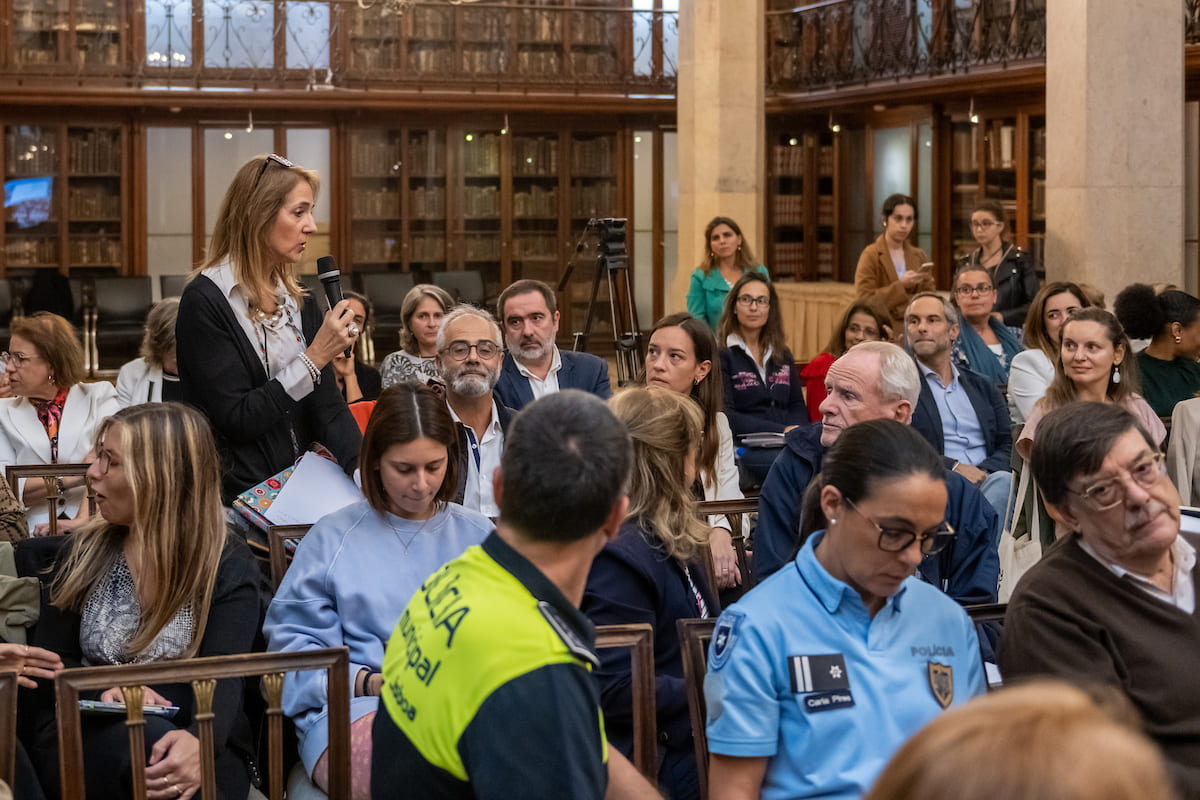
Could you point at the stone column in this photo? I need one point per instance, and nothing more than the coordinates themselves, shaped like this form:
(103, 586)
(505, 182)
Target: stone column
(1114, 142)
(722, 124)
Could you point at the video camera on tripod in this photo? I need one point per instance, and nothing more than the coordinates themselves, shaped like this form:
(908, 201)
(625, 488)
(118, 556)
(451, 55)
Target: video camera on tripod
(607, 237)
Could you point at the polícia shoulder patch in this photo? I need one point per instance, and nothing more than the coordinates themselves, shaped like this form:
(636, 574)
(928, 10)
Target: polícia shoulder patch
(568, 636)
(725, 636)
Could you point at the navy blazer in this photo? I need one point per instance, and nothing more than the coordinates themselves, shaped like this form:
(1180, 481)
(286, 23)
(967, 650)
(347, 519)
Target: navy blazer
(579, 371)
(990, 409)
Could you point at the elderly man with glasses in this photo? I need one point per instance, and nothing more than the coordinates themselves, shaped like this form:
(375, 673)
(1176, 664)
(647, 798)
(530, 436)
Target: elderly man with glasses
(468, 357)
(1113, 602)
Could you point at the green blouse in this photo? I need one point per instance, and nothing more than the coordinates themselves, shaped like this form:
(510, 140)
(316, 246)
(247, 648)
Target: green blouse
(706, 295)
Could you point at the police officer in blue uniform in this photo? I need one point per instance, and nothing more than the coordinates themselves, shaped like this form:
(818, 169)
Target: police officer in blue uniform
(818, 674)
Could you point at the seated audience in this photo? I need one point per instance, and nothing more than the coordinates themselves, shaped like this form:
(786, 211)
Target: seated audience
(1170, 319)
(255, 351)
(875, 380)
(155, 576)
(469, 359)
(862, 322)
(984, 344)
(13, 523)
(654, 572)
(762, 388)
(513, 710)
(421, 314)
(1010, 268)
(1043, 739)
(681, 356)
(534, 366)
(1114, 600)
(357, 568)
(960, 413)
(1093, 366)
(357, 380)
(154, 377)
(1032, 369)
(53, 416)
(1183, 452)
(892, 270)
(820, 672)
(727, 258)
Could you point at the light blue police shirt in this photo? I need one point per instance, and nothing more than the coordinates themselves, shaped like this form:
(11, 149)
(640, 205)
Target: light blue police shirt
(799, 672)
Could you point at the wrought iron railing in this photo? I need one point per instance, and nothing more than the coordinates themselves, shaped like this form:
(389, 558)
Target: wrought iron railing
(838, 42)
(354, 43)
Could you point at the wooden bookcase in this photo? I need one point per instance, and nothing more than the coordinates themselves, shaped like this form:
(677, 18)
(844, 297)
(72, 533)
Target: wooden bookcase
(802, 204)
(74, 178)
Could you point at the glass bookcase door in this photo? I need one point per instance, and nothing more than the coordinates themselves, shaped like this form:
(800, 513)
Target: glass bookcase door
(540, 43)
(375, 195)
(426, 161)
(430, 40)
(97, 33)
(1000, 171)
(965, 184)
(1036, 236)
(535, 203)
(39, 27)
(478, 225)
(31, 207)
(94, 197)
(788, 165)
(593, 182)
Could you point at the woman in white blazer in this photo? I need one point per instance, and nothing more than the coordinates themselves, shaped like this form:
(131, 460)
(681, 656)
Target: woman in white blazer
(53, 416)
(142, 380)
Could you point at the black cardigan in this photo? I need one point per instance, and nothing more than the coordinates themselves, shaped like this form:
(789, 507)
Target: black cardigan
(233, 622)
(252, 417)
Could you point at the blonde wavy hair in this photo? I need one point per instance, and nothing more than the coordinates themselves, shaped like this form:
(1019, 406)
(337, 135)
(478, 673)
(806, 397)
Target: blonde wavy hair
(242, 232)
(666, 428)
(178, 530)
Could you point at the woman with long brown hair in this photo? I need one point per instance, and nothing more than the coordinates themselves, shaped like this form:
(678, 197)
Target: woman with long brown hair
(156, 576)
(357, 568)
(1032, 369)
(727, 257)
(653, 572)
(682, 356)
(860, 322)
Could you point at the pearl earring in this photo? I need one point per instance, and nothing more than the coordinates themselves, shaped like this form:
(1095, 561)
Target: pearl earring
(1116, 378)
(832, 521)
(1178, 339)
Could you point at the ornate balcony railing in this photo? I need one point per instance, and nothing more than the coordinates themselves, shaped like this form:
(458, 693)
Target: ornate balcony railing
(839, 42)
(623, 45)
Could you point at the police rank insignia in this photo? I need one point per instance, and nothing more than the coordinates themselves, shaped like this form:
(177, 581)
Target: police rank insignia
(822, 680)
(941, 683)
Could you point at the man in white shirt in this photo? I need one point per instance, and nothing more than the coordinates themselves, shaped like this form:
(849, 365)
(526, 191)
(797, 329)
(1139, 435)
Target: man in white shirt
(534, 366)
(469, 360)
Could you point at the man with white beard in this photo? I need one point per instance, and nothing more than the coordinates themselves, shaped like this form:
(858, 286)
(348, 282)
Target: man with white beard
(534, 366)
(468, 357)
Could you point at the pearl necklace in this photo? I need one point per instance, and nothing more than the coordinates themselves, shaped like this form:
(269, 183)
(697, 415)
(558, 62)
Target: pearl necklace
(268, 320)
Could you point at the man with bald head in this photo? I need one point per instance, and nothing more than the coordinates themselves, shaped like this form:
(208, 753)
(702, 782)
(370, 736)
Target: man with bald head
(875, 380)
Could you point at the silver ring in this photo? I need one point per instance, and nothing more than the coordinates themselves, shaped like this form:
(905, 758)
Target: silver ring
(352, 329)
(178, 791)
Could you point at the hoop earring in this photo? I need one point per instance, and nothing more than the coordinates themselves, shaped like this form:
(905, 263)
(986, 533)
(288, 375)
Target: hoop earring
(1116, 376)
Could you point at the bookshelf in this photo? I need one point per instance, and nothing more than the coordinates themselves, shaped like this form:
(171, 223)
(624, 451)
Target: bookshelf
(802, 199)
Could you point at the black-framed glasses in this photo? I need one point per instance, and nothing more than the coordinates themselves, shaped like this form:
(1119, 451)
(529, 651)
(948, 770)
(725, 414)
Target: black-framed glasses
(983, 224)
(459, 350)
(750, 301)
(280, 160)
(972, 291)
(1110, 492)
(895, 540)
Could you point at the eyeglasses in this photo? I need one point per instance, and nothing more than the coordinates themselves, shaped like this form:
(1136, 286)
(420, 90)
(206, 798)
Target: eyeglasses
(1110, 492)
(459, 350)
(749, 301)
(983, 224)
(859, 330)
(103, 460)
(280, 160)
(895, 540)
(972, 291)
(16, 359)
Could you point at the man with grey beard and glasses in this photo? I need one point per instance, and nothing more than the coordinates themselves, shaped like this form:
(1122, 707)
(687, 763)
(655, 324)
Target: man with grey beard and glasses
(468, 356)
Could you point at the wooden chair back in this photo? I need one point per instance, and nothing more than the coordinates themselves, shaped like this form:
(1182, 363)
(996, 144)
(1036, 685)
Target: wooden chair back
(8, 726)
(203, 674)
(694, 637)
(50, 474)
(733, 511)
(278, 537)
(988, 619)
(639, 639)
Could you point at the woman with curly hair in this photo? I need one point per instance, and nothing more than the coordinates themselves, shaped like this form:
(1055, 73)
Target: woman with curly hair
(653, 572)
(1171, 321)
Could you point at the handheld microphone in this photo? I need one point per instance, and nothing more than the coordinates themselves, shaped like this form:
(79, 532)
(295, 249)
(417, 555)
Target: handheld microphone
(331, 280)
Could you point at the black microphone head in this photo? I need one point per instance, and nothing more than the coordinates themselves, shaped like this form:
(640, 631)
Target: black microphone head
(326, 268)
